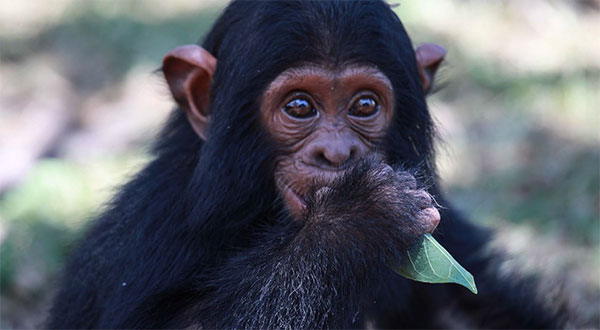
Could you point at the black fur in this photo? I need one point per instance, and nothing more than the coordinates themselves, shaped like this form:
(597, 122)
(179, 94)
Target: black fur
(199, 237)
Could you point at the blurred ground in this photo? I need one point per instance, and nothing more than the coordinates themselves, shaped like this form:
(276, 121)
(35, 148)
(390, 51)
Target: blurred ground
(518, 115)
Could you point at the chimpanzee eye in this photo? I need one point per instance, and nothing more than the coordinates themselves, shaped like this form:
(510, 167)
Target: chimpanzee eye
(300, 108)
(364, 107)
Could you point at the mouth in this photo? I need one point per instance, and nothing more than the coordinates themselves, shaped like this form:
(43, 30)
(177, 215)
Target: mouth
(294, 201)
(297, 202)
(296, 194)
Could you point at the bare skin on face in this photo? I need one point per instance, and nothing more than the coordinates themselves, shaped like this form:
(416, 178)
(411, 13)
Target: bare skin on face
(324, 120)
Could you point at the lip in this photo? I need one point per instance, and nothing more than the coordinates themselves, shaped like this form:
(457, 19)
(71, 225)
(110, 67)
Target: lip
(296, 203)
(296, 199)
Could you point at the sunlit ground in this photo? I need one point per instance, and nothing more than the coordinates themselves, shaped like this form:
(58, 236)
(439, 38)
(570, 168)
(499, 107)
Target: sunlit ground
(517, 109)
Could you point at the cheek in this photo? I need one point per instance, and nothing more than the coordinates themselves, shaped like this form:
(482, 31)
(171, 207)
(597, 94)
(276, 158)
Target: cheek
(288, 133)
(291, 140)
(290, 184)
(290, 172)
(282, 172)
(372, 132)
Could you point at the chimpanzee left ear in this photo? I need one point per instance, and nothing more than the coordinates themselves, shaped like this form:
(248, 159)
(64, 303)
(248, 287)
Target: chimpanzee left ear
(189, 70)
(429, 56)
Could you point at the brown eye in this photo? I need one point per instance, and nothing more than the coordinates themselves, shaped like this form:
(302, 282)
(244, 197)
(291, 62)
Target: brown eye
(364, 107)
(300, 108)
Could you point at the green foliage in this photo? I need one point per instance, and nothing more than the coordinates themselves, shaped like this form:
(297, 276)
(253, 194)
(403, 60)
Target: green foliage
(427, 261)
(56, 191)
(42, 217)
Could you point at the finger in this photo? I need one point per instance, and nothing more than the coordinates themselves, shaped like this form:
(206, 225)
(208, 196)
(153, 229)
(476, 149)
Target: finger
(429, 218)
(423, 198)
(407, 181)
(323, 192)
(386, 170)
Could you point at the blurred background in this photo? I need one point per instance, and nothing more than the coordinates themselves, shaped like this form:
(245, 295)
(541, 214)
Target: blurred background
(517, 108)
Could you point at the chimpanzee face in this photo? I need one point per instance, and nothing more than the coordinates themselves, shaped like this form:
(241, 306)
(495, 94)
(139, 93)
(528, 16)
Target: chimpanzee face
(323, 120)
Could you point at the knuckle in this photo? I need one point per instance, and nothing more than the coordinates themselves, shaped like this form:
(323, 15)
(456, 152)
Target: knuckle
(429, 218)
(406, 180)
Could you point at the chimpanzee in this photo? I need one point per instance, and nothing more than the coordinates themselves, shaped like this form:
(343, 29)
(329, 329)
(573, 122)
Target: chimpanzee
(298, 165)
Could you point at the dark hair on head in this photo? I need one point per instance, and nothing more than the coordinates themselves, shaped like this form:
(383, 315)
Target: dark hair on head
(254, 41)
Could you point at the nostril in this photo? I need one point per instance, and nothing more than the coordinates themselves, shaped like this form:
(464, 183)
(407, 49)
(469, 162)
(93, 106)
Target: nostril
(333, 154)
(322, 160)
(352, 154)
(335, 157)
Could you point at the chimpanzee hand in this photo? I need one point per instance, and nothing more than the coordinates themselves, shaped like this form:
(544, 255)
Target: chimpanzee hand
(427, 216)
(373, 206)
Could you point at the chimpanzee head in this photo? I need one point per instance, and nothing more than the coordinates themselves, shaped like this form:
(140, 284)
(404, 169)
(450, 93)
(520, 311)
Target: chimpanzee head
(297, 90)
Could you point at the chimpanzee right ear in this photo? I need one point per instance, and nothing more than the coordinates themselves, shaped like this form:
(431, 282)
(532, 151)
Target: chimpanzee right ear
(189, 70)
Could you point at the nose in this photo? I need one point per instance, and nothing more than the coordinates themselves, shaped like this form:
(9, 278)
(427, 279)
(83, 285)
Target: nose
(333, 150)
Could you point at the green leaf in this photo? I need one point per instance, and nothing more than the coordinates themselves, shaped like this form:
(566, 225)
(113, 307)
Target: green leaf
(427, 261)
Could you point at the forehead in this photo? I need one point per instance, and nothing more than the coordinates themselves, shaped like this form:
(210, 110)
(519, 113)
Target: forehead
(355, 74)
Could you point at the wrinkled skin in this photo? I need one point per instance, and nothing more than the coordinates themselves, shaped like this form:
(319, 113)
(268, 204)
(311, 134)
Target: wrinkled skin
(334, 131)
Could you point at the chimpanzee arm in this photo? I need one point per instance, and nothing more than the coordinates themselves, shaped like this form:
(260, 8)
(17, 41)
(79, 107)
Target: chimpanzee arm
(311, 274)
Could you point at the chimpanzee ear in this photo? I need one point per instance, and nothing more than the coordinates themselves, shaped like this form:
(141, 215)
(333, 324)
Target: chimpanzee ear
(429, 57)
(189, 70)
